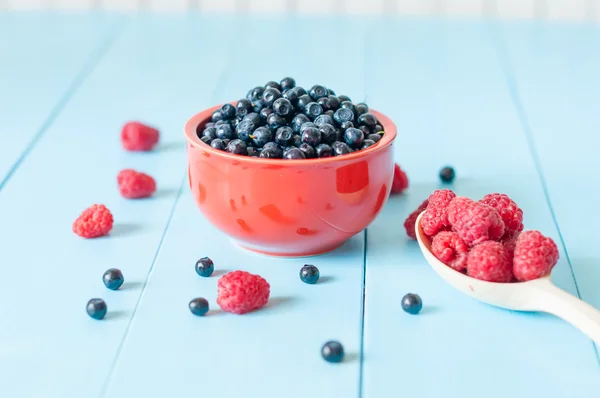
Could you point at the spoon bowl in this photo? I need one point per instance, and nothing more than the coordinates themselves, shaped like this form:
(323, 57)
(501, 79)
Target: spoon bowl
(535, 295)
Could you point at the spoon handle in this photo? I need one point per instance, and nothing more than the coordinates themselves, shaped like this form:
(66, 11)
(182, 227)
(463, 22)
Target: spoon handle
(578, 313)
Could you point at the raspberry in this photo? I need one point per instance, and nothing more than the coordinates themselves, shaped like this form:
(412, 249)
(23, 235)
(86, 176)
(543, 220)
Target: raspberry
(474, 222)
(509, 243)
(511, 214)
(409, 223)
(450, 249)
(489, 261)
(136, 136)
(240, 292)
(400, 182)
(133, 184)
(93, 222)
(535, 256)
(435, 219)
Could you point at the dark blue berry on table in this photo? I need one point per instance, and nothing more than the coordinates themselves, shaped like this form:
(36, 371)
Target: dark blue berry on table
(243, 107)
(255, 94)
(412, 303)
(206, 140)
(300, 91)
(274, 121)
(253, 152)
(237, 147)
(261, 136)
(270, 95)
(303, 100)
(273, 84)
(96, 308)
(447, 174)
(334, 102)
(311, 136)
(113, 278)
(287, 83)
(282, 107)
(228, 111)
(309, 151)
(324, 151)
(294, 153)
(347, 125)
(361, 108)
(198, 306)
(343, 115)
(332, 351)
(298, 121)
(218, 143)
(367, 143)
(217, 116)
(353, 137)
(367, 119)
(324, 102)
(340, 148)
(264, 114)
(313, 110)
(344, 98)
(328, 133)
(317, 92)
(309, 274)
(205, 267)
(297, 140)
(291, 96)
(374, 137)
(284, 136)
(225, 131)
(271, 151)
(244, 129)
(323, 119)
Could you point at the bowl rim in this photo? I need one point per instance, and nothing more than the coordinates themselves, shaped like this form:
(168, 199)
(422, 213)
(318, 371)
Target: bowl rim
(201, 117)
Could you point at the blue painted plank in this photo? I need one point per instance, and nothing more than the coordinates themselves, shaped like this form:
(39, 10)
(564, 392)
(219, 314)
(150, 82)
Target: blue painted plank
(44, 58)
(161, 70)
(274, 351)
(443, 85)
(553, 71)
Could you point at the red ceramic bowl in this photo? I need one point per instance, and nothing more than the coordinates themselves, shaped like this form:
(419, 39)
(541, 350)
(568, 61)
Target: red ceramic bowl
(290, 208)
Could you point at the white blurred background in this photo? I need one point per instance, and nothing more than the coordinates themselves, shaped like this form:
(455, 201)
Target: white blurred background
(564, 10)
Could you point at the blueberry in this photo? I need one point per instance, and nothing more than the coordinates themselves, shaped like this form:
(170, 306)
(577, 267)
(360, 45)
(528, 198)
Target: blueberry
(311, 136)
(367, 119)
(340, 148)
(344, 98)
(235, 122)
(328, 133)
(217, 115)
(220, 122)
(206, 140)
(209, 125)
(309, 274)
(272, 84)
(261, 136)
(332, 351)
(284, 136)
(303, 100)
(309, 151)
(270, 95)
(377, 128)
(412, 303)
(245, 129)
(346, 125)
(307, 125)
(257, 106)
(253, 152)
(243, 107)
(353, 137)
(324, 102)
(237, 147)
(298, 121)
(324, 119)
(228, 111)
(367, 143)
(96, 308)
(255, 94)
(198, 306)
(287, 83)
(294, 153)
(300, 91)
(205, 267)
(112, 278)
(274, 121)
(226, 142)
(264, 113)
(291, 96)
(330, 91)
(313, 110)
(447, 174)
(324, 151)
(218, 143)
(297, 140)
(329, 113)
(317, 92)
(271, 151)
(348, 105)
(282, 107)
(225, 131)
(339, 135)
(361, 108)
(343, 115)
(374, 137)
(255, 117)
(334, 102)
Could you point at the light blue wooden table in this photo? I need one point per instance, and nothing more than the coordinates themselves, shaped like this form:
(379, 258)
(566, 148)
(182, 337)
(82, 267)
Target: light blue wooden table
(515, 107)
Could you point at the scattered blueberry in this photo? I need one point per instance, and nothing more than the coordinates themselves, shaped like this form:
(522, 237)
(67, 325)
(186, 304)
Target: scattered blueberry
(243, 107)
(228, 111)
(198, 306)
(313, 110)
(332, 351)
(447, 174)
(309, 151)
(311, 136)
(309, 274)
(412, 303)
(261, 136)
(113, 278)
(324, 151)
(343, 115)
(237, 147)
(287, 83)
(353, 137)
(282, 107)
(340, 148)
(284, 136)
(96, 308)
(218, 143)
(294, 153)
(224, 131)
(367, 119)
(205, 267)
(270, 95)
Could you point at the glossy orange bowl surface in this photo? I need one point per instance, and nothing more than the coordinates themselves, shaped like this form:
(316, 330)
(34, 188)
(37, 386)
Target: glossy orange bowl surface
(289, 208)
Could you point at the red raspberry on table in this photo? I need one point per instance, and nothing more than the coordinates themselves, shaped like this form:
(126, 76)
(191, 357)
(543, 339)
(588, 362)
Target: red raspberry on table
(240, 292)
(411, 220)
(400, 182)
(511, 214)
(489, 261)
(136, 136)
(450, 249)
(475, 222)
(435, 218)
(95, 221)
(535, 256)
(133, 184)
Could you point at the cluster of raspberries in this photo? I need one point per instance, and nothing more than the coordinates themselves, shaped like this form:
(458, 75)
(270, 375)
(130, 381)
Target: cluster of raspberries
(97, 220)
(485, 238)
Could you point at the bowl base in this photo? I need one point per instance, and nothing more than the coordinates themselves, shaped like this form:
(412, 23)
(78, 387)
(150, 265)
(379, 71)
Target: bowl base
(287, 254)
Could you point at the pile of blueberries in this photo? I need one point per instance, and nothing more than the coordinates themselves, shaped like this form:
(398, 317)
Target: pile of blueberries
(282, 120)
